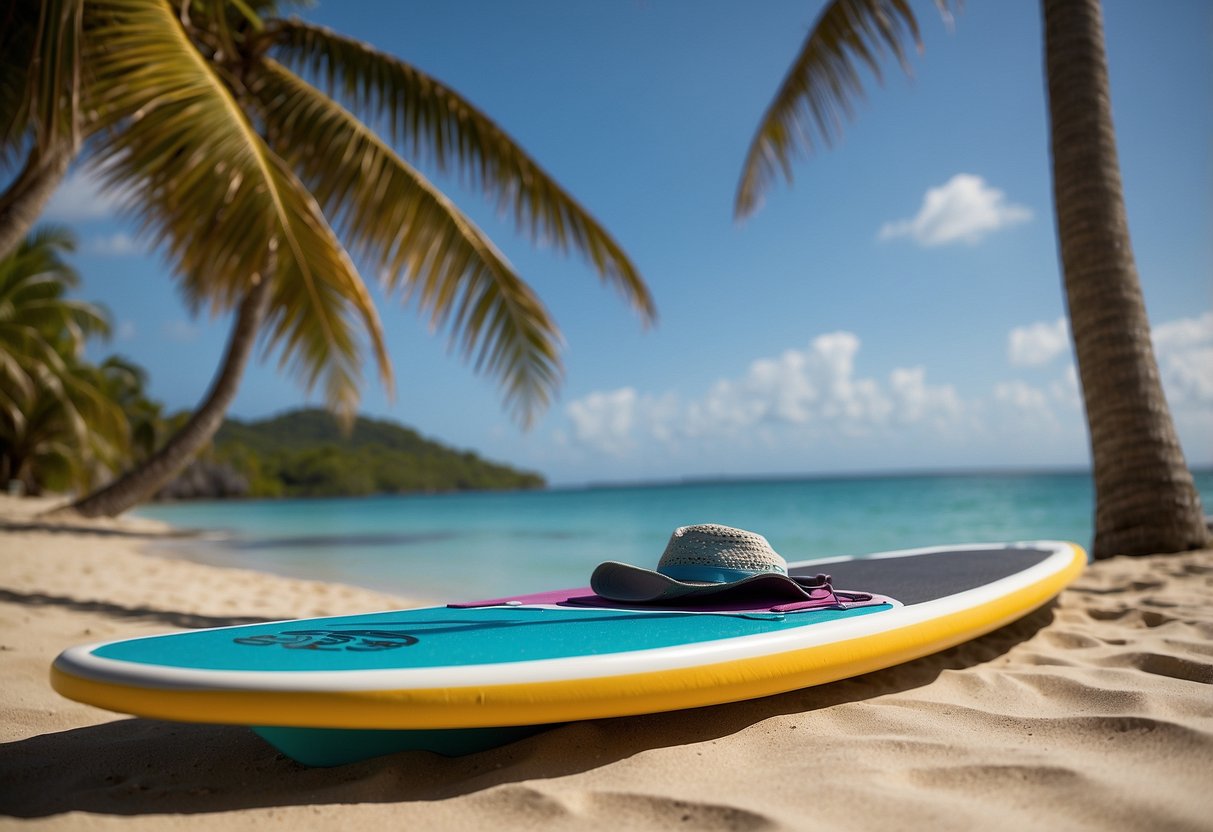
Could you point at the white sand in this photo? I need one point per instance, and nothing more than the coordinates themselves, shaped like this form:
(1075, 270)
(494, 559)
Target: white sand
(1093, 713)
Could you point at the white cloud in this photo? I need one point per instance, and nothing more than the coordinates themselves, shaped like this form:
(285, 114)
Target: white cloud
(604, 420)
(916, 401)
(80, 198)
(1183, 333)
(1022, 396)
(1188, 376)
(803, 406)
(116, 245)
(179, 330)
(964, 209)
(1022, 407)
(800, 393)
(126, 331)
(1038, 343)
(1066, 390)
(1184, 350)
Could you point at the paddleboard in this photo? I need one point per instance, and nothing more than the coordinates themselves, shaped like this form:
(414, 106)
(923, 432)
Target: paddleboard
(464, 677)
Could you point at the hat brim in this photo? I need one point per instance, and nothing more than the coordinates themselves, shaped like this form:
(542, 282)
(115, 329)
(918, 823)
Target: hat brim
(635, 585)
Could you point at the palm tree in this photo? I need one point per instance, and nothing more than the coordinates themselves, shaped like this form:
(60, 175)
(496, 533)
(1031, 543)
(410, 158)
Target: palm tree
(1146, 500)
(239, 142)
(39, 107)
(40, 328)
(67, 441)
(58, 425)
(125, 384)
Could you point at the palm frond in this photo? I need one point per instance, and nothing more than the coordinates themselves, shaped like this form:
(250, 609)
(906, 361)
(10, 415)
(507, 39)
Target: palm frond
(17, 37)
(203, 184)
(419, 241)
(56, 240)
(40, 328)
(818, 93)
(55, 74)
(78, 320)
(40, 61)
(316, 296)
(433, 123)
(70, 418)
(17, 383)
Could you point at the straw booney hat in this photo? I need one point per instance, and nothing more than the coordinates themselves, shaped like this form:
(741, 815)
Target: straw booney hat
(707, 559)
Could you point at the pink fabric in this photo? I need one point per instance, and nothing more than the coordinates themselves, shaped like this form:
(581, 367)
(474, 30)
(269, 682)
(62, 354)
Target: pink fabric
(555, 596)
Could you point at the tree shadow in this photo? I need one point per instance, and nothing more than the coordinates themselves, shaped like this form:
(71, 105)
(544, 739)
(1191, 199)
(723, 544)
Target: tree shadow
(142, 766)
(60, 524)
(180, 620)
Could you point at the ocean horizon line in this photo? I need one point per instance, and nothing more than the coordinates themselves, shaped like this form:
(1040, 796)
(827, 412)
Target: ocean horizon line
(698, 480)
(829, 476)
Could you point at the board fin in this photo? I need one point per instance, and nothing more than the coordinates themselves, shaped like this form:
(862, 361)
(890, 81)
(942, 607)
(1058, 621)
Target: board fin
(337, 746)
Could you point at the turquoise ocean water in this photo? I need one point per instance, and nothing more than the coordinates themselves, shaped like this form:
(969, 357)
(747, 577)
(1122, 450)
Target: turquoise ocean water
(464, 546)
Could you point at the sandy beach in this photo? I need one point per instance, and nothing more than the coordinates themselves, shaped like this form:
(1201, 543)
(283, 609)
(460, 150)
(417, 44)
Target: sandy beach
(1095, 712)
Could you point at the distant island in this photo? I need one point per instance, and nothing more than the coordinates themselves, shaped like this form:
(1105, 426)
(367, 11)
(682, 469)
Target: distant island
(305, 453)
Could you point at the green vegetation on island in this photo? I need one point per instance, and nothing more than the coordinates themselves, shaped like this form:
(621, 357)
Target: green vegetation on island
(304, 453)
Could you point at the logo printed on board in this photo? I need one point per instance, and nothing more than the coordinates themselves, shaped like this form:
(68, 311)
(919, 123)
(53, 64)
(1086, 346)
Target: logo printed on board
(354, 641)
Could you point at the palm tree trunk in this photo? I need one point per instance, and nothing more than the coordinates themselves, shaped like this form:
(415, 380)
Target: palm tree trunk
(161, 467)
(1145, 498)
(27, 195)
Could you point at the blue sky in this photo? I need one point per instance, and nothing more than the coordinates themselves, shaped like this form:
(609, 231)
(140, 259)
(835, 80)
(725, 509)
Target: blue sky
(899, 306)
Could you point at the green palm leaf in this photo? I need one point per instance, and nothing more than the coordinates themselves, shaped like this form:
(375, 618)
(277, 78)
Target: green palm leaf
(54, 413)
(434, 123)
(39, 327)
(17, 37)
(819, 91)
(40, 65)
(316, 297)
(56, 70)
(202, 183)
(418, 239)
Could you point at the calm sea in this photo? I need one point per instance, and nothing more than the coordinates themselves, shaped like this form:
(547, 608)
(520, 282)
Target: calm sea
(452, 546)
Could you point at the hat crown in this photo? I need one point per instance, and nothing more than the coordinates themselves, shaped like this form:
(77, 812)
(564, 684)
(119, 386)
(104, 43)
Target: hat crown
(713, 546)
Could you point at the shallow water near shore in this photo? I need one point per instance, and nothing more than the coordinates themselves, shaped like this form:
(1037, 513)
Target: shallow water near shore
(460, 546)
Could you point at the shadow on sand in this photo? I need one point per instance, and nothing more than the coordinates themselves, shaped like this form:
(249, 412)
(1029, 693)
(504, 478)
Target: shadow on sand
(142, 766)
(59, 524)
(180, 620)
